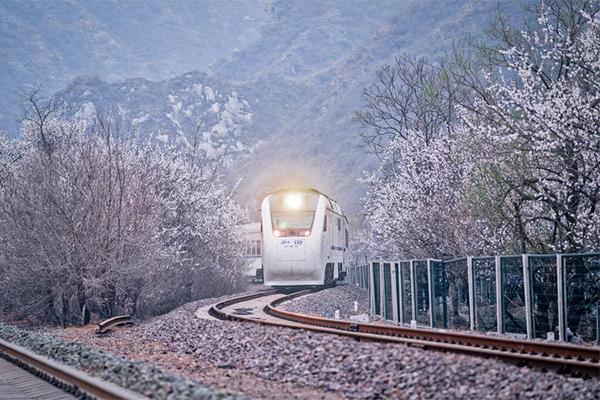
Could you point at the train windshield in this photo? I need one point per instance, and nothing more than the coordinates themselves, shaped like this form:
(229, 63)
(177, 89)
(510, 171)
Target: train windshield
(298, 220)
(293, 213)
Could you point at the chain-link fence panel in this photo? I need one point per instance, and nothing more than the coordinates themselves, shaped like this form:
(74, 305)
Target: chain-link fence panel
(376, 289)
(544, 296)
(440, 294)
(422, 292)
(407, 296)
(582, 292)
(513, 295)
(456, 292)
(387, 291)
(484, 281)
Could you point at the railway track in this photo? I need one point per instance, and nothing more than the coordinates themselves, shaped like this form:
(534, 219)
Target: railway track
(73, 383)
(563, 358)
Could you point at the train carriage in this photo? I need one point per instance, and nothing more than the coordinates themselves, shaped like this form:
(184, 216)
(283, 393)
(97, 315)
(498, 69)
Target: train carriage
(252, 260)
(305, 239)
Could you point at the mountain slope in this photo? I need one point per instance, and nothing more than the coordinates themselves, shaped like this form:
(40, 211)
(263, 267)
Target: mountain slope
(303, 78)
(312, 141)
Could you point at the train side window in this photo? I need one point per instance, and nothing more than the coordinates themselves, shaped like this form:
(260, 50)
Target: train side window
(325, 224)
(339, 224)
(253, 248)
(346, 238)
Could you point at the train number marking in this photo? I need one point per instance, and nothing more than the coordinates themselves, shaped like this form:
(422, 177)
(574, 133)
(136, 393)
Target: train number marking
(291, 243)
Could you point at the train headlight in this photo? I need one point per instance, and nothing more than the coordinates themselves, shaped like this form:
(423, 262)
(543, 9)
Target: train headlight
(293, 201)
(305, 233)
(276, 233)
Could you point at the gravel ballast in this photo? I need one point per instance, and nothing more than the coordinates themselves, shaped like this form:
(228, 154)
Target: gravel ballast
(134, 375)
(326, 302)
(268, 362)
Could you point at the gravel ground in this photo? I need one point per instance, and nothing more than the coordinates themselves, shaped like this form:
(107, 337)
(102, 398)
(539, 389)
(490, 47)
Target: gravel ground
(137, 376)
(267, 362)
(325, 302)
(139, 343)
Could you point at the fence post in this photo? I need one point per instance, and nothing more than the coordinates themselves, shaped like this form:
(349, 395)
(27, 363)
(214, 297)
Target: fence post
(471, 286)
(361, 277)
(382, 302)
(499, 297)
(560, 285)
(364, 276)
(527, 292)
(413, 288)
(361, 273)
(430, 291)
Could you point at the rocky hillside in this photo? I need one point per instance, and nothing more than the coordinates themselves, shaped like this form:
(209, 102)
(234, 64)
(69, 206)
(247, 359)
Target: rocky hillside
(53, 41)
(189, 106)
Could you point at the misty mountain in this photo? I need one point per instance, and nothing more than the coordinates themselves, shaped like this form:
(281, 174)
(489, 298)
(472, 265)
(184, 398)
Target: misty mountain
(305, 76)
(297, 84)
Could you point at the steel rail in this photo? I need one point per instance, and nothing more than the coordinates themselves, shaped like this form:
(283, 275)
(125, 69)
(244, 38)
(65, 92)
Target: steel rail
(216, 309)
(564, 358)
(110, 323)
(69, 379)
(554, 349)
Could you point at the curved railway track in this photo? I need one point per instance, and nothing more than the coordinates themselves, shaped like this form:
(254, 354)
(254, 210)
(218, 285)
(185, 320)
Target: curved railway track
(563, 358)
(71, 381)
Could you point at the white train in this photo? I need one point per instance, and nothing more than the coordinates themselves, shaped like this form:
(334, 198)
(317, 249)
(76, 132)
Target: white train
(305, 239)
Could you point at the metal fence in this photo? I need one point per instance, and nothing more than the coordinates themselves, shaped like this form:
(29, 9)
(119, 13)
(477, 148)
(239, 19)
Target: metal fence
(549, 296)
(358, 275)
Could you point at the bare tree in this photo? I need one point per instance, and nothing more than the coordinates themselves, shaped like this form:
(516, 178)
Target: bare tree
(409, 98)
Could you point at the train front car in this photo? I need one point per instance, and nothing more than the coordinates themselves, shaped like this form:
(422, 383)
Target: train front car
(298, 246)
